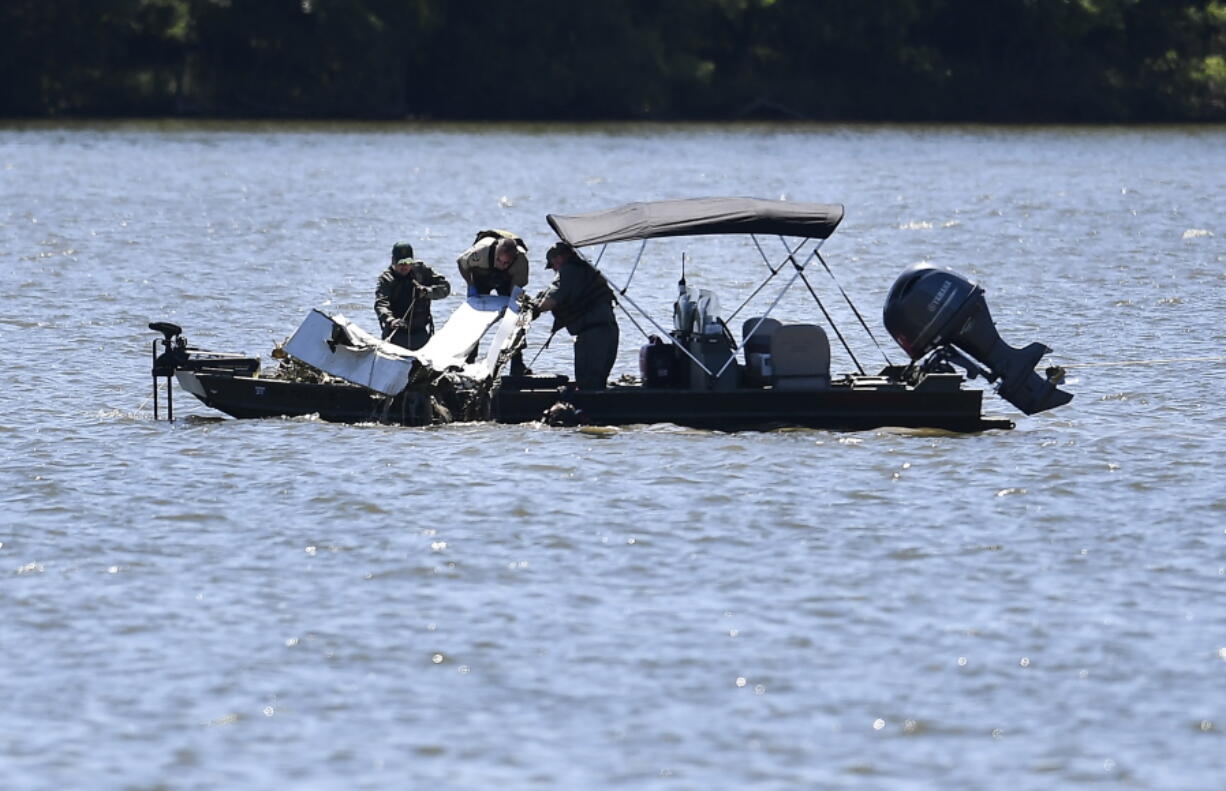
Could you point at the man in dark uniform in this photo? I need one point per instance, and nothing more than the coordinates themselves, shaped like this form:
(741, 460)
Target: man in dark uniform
(403, 295)
(582, 302)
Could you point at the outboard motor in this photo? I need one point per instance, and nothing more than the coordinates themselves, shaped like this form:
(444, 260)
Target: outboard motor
(936, 309)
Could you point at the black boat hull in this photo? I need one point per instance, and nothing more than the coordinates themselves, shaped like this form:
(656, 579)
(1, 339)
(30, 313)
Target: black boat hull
(836, 408)
(843, 407)
(256, 397)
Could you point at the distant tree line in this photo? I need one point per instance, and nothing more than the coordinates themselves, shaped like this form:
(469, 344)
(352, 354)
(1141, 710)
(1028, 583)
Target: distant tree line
(976, 60)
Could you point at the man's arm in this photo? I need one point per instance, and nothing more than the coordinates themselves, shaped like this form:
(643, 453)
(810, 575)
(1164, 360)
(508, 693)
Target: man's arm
(383, 306)
(551, 296)
(434, 284)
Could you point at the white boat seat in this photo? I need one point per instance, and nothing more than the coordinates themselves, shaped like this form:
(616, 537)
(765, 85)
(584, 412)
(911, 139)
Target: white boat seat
(800, 357)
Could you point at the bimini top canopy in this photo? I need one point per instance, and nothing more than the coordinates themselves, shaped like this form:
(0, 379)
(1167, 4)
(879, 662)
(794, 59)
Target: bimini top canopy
(698, 217)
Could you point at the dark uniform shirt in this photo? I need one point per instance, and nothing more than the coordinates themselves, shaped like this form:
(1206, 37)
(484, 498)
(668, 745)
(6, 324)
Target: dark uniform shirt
(398, 297)
(582, 298)
(583, 303)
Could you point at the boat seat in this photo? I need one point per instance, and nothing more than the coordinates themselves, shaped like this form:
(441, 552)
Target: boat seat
(758, 369)
(800, 357)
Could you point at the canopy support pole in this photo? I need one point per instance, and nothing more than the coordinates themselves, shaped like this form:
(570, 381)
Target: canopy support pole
(863, 324)
(834, 327)
(634, 268)
(630, 316)
(656, 324)
(736, 347)
(623, 293)
(774, 271)
(766, 258)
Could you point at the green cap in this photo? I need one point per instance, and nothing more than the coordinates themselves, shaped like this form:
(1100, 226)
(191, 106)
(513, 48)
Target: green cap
(401, 250)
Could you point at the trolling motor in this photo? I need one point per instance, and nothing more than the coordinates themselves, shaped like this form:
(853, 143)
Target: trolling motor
(178, 356)
(939, 311)
(164, 364)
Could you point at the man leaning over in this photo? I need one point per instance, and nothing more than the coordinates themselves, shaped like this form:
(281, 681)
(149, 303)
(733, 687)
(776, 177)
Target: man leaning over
(495, 264)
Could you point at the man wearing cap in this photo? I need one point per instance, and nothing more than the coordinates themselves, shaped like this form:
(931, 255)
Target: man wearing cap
(403, 295)
(582, 302)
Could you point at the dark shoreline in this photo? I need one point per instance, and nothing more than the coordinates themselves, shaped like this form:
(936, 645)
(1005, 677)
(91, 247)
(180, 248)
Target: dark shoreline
(954, 61)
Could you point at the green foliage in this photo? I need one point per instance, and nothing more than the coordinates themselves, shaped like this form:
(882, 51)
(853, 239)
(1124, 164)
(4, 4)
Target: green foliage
(1007, 60)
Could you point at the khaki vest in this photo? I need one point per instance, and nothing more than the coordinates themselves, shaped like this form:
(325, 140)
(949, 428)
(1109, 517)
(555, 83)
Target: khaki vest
(481, 255)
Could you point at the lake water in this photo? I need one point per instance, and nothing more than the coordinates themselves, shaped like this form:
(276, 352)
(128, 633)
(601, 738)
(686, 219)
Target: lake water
(293, 604)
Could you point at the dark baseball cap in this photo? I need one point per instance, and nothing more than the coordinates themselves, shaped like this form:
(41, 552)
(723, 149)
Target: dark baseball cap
(561, 248)
(401, 250)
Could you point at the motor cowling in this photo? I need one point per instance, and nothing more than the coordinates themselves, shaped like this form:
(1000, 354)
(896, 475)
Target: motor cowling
(930, 309)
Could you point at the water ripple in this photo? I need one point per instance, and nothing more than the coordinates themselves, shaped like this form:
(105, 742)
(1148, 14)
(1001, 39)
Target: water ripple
(475, 605)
